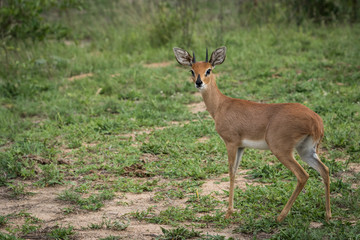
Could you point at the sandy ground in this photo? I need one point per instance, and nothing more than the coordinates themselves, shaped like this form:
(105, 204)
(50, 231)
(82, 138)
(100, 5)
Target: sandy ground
(44, 204)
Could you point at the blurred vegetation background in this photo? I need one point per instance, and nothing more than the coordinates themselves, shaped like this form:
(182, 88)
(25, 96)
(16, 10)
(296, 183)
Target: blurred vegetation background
(161, 21)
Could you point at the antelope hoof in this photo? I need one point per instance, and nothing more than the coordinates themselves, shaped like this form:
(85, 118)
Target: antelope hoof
(328, 217)
(229, 214)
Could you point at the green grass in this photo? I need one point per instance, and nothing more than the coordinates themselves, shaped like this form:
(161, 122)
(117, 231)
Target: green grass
(5, 236)
(111, 238)
(56, 131)
(60, 232)
(179, 233)
(92, 203)
(115, 225)
(30, 225)
(3, 220)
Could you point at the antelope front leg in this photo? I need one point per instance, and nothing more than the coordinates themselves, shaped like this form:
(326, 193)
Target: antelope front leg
(234, 157)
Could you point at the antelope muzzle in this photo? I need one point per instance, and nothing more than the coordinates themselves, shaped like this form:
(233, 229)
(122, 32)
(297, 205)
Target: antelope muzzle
(198, 82)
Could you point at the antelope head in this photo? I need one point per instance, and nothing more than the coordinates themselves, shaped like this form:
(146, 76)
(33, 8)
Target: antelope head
(201, 71)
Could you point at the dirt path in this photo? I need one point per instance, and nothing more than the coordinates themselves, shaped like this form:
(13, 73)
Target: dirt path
(44, 204)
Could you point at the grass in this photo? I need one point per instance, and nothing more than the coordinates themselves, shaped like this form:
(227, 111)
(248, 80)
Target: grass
(91, 203)
(56, 129)
(3, 220)
(179, 233)
(115, 225)
(30, 225)
(60, 232)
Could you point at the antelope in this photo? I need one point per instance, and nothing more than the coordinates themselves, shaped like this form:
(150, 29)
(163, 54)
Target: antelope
(278, 127)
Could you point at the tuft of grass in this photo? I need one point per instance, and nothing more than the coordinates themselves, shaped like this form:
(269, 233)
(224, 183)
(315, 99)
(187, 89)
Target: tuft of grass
(182, 233)
(51, 175)
(68, 210)
(17, 190)
(3, 220)
(143, 215)
(92, 203)
(179, 233)
(215, 237)
(130, 185)
(169, 194)
(254, 226)
(115, 225)
(173, 216)
(204, 204)
(216, 219)
(111, 238)
(5, 236)
(61, 233)
(31, 224)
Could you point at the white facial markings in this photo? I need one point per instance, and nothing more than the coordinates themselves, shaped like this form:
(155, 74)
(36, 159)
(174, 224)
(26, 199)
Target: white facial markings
(257, 144)
(202, 87)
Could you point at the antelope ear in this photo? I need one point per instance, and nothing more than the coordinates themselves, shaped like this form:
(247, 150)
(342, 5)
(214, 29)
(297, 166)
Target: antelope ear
(182, 56)
(218, 56)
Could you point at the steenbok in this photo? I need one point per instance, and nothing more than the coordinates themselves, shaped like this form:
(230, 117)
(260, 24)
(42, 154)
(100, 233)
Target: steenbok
(280, 128)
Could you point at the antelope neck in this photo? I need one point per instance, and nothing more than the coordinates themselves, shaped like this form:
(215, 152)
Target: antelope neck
(213, 98)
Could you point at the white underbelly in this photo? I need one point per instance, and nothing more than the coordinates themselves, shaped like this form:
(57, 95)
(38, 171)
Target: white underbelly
(257, 144)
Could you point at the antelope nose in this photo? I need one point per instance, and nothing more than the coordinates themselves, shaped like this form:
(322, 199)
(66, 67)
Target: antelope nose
(198, 81)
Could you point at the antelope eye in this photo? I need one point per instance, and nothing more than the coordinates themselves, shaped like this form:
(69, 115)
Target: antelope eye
(192, 72)
(208, 72)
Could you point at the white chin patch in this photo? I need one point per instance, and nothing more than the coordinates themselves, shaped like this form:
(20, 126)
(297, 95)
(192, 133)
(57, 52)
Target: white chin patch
(202, 87)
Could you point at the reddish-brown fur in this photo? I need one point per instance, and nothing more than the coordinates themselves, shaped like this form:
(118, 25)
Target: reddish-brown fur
(283, 126)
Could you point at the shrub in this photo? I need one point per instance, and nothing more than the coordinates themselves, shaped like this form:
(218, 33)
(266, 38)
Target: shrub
(21, 19)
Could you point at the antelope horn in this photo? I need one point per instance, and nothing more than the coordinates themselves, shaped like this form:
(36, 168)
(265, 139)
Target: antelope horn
(206, 59)
(193, 60)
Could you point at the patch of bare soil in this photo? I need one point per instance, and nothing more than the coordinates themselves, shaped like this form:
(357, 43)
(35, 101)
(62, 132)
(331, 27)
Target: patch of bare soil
(316, 225)
(348, 174)
(90, 145)
(198, 95)
(36, 158)
(148, 157)
(354, 167)
(197, 107)
(44, 204)
(158, 65)
(133, 135)
(37, 120)
(137, 170)
(80, 76)
(115, 75)
(203, 139)
(219, 184)
(81, 44)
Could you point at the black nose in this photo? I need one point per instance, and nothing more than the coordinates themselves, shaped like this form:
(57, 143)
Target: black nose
(198, 81)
